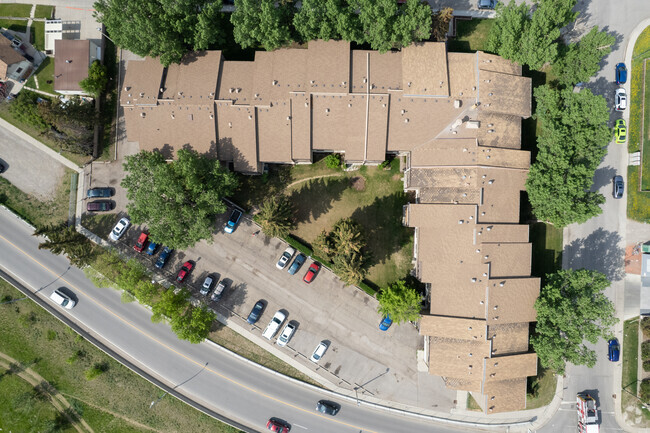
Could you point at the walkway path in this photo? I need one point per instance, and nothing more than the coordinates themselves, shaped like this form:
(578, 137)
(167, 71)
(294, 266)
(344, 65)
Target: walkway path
(312, 178)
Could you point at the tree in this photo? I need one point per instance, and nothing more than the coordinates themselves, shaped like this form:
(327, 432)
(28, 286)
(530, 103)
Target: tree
(323, 245)
(194, 326)
(509, 26)
(582, 60)
(440, 23)
(25, 109)
(327, 19)
(347, 238)
(164, 28)
(400, 302)
(171, 305)
(64, 239)
(261, 22)
(572, 308)
(96, 81)
(413, 23)
(275, 217)
(573, 140)
(70, 123)
(349, 268)
(176, 200)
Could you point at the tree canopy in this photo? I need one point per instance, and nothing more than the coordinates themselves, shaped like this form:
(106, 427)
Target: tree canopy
(164, 28)
(582, 60)
(275, 216)
(327, 19)
(572, 142)
(400, 302)
(261, 22)
(177, 200)
(344, 247)
(572, 308)
(96, 81)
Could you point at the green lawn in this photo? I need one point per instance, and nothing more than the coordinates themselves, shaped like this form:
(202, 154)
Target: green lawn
(547, 249)
(45, 75)
(14, 25)
(116, 401)
(43, 11)
(471, 35)
(38, 35)
(472, 404)
(15, 10)
(545, 385)
(629, 403)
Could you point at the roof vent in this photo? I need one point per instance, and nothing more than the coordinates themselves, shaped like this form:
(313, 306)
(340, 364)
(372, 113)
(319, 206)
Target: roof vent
(306, 104)
(489, 228)
(496, 306)
(288, 117)
(406, 121)
(257, 95)
(487, 81)
(343, 83)
(487, 105)
(502, 283)
(403, 111)
(250, 117)
(473, 124)
(230, 124)
(460, 221)
(211, 93)
(232, 89)
(490, 125)
(180, 93)
(143, 115)
(211, 116)
(478, 250)
(490, 94)
(408, 84)
(483, 214)
(127, 88)
(470, 354)
(128, 102)
(162, 89)
(457, 103)
(383, 105)
(491, 181)
(172, 116)
(490, 131)
(311, 82)
(365, 80)
(483, 177)
(129, 95)
(473, 280)
(481, 302)
(473, 87)
(238, 89)
(327, 110)
(349, 105)
(486, 257)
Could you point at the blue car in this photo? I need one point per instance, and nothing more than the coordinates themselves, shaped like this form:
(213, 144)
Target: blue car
(256, 312)
(614, 350)
(231, 225)
(297, 263)
(162, 259)
(151, 249)
(385, 323)
(621, 73)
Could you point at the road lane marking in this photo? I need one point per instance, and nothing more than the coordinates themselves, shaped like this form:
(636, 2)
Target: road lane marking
(169, 348)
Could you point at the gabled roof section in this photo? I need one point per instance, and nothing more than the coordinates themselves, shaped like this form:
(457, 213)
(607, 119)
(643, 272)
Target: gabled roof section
(328, 66)
(376, 72)
(512, 300)
(505, 94)
(8, 56)
(236, 82)
(424, 69)
(194, 80)
(453, 327)
(141, 82)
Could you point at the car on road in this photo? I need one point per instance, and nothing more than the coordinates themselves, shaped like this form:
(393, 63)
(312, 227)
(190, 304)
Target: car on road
(619, 186)
(255, 313)
(487, 4)
(313, 270)
(218, 291)
(385, 323)
(286, 334)
(119, 229)
(162, 258)
(285, 257)
(621, 73)
(328, 407)
(184, 271)
(233, 221)
(297, 263)
(99, 192)
(620, 98)
(275, 425)
(99, 206)
(207, 285)
(274, 325)
(613, 350)
(151, 248)
(141, 242)
(62, 299)
(620, 131)
(319, 351)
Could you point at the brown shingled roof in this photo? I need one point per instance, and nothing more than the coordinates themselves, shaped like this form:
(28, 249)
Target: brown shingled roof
(71, 63)
(8, 56)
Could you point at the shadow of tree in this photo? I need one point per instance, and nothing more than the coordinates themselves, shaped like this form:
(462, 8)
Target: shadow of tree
(603, 177)
(314, 198)
(599, 251)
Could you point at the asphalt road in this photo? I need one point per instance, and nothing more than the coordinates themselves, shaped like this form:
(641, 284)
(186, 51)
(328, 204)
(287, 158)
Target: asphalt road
(204, 373)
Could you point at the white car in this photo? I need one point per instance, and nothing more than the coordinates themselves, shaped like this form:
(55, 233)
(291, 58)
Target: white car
(285, 257)
(274, 325)
(207, 284)
(319, 351)
(286, 334)
(119, 229)
(61, 299)
(621, 99)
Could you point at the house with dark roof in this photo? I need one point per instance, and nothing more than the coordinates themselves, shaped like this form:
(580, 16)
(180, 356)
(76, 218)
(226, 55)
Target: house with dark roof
(456, 120)
(71, 63)
(12, 64)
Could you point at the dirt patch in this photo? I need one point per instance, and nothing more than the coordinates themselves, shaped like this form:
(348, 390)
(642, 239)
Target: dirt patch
(358, 183)
(396, 177)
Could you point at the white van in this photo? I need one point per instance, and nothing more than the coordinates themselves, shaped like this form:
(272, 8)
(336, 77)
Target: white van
(274, 325)
(60, 299)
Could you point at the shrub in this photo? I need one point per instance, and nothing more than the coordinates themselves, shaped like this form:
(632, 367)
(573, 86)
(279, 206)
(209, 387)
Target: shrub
(645, 326)
(646, 365)
(96, 370)
(333, 160)
(51, 335)
(645, 350)
(644, 393)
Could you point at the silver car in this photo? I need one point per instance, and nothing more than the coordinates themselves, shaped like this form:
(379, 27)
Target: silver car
(319, 351)
(207, 285)
(286, 334)
(285, 257)
(119, 229)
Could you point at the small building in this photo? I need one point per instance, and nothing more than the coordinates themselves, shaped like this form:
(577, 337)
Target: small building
(53, 32)
(71, 63)
(12, 64)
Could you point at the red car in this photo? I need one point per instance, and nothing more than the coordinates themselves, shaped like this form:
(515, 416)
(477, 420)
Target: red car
(277, 426)
(142, 241)
(185, 269)
(314, 268)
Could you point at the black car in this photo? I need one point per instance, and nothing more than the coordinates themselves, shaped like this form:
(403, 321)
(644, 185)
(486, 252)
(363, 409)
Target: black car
(256, 312)
(162, 258)
(99, 206)
(618, 187)
(2, 167)
(328, 407)
(99, 192)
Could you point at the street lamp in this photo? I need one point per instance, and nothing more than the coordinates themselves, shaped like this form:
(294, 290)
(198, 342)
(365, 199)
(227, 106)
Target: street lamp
(99, 29)
(356, 392)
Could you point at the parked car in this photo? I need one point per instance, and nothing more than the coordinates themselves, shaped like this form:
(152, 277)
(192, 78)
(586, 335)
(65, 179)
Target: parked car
(620, 99)
(286, 334)
(275, 425)
(487, 4)
(285, 257)
(99, 206)
(141, 242)
(233, 221)
(314, 268)
(297, 263)
(207, 285)
(620, 131)
(151, 248)
(255, 313)
(319, 351)
(274, 325)
(2, 167)
(385, 323)
(218, 291)
(621, 73)
(328, 407)
(184, 271)
(99, 192)
(162, 258)
(619, 187)
(613, 350)
(62, 299)
(119, 229)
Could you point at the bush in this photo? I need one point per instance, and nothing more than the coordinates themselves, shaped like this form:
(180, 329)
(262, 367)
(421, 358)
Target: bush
(96, 370)
(644, 393)
(645, 326)
(646, 366)
(333, 161)
(645, 350)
